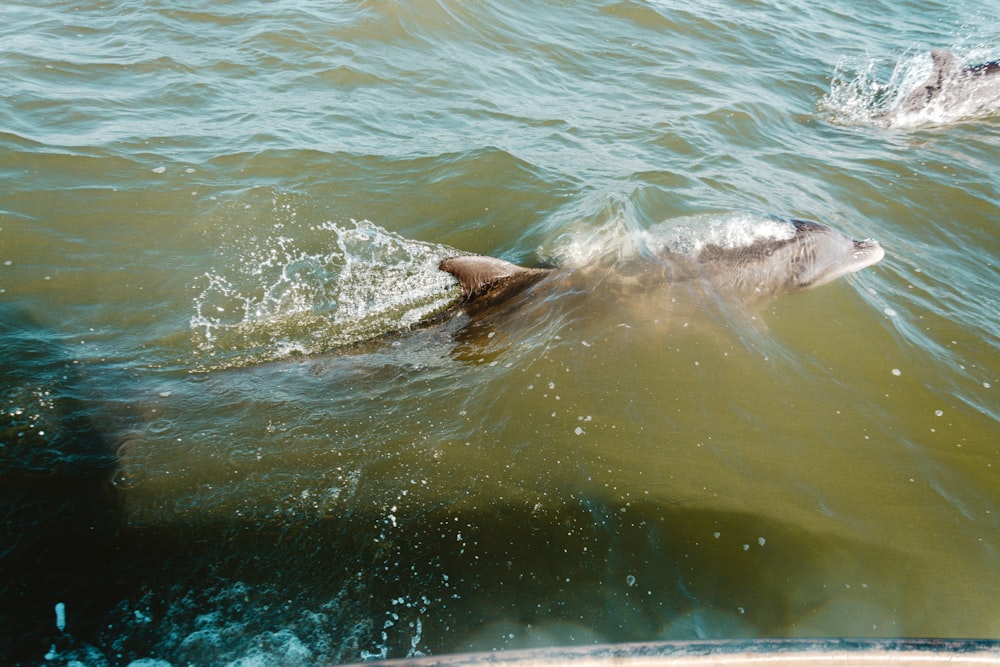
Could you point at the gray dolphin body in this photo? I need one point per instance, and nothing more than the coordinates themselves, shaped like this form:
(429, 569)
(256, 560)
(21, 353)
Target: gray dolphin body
(813, 255)
(953, 84)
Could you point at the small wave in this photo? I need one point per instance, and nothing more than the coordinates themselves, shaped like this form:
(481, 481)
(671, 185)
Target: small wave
(283, 301)
(688, 236)
(858, 95)
(868, 90)
(620, 241)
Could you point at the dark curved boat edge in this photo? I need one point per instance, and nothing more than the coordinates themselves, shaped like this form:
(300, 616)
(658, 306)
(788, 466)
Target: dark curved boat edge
(839, 652)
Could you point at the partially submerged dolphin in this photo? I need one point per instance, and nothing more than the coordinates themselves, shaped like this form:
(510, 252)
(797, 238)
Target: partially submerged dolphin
(811, 255)
(615, 273)
(954, 85)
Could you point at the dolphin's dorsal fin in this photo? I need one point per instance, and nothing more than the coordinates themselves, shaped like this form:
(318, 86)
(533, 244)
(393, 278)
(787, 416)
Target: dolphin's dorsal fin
(488, 280)
(944, 67)
(944, 62)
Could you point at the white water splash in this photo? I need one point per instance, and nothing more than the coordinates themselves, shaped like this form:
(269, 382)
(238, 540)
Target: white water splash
(685, 236)
(688, 236)
(868, 90)
(282, 300)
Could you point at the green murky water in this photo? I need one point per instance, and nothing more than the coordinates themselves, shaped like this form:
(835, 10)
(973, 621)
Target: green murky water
(202, 202)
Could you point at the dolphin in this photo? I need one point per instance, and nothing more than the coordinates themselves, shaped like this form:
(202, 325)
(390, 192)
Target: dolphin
(812, 255)
(955, 85)
(655, 275)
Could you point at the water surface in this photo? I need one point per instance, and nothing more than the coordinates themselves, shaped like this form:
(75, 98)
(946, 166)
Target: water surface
(202, 203)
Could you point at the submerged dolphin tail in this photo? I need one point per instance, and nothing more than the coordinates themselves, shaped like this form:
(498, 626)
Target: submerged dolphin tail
(487, 281)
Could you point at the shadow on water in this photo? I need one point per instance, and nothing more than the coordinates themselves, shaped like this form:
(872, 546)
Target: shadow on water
(389, 567)
(57, 504)
(490, 576)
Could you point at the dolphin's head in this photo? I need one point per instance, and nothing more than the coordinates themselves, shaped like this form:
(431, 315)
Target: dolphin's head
(822, 254)
(813, 255)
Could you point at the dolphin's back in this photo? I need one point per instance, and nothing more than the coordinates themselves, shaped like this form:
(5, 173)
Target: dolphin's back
(954, 85)
(812, 255)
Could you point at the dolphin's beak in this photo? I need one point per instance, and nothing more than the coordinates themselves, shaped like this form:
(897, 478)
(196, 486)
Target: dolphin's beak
(867, 252)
